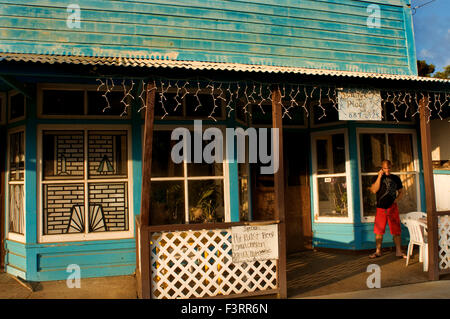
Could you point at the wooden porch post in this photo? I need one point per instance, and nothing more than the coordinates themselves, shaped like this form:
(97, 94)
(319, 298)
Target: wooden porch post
(433, 240)
(279, 191)
(145, 195)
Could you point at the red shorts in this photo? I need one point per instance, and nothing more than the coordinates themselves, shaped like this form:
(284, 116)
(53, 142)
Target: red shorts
(389, 215)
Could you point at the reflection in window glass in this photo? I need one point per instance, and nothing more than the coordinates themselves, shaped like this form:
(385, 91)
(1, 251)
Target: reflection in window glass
(331, 154)
(17, 107)
(162, 163)
(401, 152)
(206, 201)
(16, 156)
(333, 197)
(369, 198)
(408, 203)
(372, 151)
(167, 203)
(63, 102)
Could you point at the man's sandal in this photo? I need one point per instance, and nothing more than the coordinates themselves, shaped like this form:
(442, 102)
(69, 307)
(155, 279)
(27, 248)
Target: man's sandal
(374, 255)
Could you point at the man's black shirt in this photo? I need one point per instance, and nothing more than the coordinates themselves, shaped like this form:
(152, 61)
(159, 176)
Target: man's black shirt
(387, 193)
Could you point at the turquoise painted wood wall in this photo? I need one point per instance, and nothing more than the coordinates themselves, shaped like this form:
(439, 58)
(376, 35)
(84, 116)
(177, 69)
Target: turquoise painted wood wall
(326, 34)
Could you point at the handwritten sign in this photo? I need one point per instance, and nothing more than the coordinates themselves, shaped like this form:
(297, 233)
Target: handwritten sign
(359, 105)
(252, 243)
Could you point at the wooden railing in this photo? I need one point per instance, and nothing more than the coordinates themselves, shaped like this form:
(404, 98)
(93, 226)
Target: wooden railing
(195, 261)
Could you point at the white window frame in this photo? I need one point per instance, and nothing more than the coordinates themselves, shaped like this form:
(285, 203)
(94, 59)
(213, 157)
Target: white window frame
(3, 108)
(315, 189)
(21, 118)
(85, 181)
(185, 178)
(74, 87)
(11, 235)
(416, 172)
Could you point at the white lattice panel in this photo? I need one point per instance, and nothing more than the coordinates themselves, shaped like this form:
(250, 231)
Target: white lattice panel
(198, 264)
(444, 242)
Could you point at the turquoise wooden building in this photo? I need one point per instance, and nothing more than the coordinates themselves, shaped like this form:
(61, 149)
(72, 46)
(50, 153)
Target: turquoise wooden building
(72, 92)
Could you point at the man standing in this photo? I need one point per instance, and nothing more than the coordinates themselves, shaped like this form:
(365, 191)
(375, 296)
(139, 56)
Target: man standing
(389, 189)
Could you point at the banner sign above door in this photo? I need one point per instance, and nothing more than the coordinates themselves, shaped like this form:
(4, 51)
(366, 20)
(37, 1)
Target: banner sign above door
(359, 105)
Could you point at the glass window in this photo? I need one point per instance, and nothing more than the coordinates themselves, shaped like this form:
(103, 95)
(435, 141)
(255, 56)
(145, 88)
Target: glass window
(330, 177)
(399, 149)
(77, 194)
(187, 192)
(16, 216)
(62, 102)
(17, 106)
(97, 104)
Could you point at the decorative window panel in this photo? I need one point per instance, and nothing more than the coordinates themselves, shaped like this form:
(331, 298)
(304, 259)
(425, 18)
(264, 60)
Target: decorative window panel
(63, 155)
(63, 208)
(108, 207)
(76, 198)
(107, 153)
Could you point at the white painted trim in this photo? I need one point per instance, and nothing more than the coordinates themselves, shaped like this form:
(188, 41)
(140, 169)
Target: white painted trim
(21, 118)
(386, 131)
(347, 174)
(85, 181)
(10, 235)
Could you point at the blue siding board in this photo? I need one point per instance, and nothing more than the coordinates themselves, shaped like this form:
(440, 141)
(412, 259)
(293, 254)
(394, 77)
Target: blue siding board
(316, 34)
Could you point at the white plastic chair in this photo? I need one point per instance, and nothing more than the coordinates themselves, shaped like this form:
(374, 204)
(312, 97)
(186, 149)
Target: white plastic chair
(412, 215)
(417, 237)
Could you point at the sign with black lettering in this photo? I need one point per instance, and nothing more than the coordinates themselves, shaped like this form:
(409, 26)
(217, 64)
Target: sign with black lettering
(359, 105)
(250, 243)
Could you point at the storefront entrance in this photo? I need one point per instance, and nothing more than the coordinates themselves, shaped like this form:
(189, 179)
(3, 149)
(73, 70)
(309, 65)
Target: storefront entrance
(297, 192)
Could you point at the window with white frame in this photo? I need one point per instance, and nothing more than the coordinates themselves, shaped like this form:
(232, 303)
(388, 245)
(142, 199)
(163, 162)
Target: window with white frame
(85, 182)
(185, 192)
(398, 147)
(16, 183)
(330, 175)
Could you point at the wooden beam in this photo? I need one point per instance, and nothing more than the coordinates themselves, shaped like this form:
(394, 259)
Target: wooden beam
(277, 123)
(433, 232)
(16, 85)
(145, 272)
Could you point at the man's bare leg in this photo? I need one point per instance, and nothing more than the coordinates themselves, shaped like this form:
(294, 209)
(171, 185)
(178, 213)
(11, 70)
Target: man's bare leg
(378, 242)
(398, 246)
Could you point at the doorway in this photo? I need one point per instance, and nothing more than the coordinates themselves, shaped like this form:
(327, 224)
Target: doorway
(297, 192)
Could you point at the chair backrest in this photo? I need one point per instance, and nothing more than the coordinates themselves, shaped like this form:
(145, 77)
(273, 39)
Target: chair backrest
(412, 215)
(416, 231)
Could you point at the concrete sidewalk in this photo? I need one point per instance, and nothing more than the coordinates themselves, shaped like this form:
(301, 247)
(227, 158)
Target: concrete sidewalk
(424, 290)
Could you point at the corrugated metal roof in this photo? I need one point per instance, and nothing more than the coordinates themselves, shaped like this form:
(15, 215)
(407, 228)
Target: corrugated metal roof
(194, 65)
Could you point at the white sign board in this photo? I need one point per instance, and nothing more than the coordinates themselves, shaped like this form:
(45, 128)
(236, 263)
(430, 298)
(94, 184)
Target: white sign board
(359, 105)
(250, 243)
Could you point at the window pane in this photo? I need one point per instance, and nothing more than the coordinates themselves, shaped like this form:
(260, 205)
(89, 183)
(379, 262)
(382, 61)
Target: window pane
(203, 169)
(369, 198)
(333, 197)
(108, 207)
(167, 203)
(333, 163)
(401, 152)
(63, 102)
(107, 152)
(17, 106)
(16, 210)
(162, 163)
(372, 151)
(63, 154)
(16, 156)
(206, 201)
(98, 105)
(63, 209)
(408, 203)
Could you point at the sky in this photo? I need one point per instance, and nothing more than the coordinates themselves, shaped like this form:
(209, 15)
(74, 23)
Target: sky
(432, 32)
